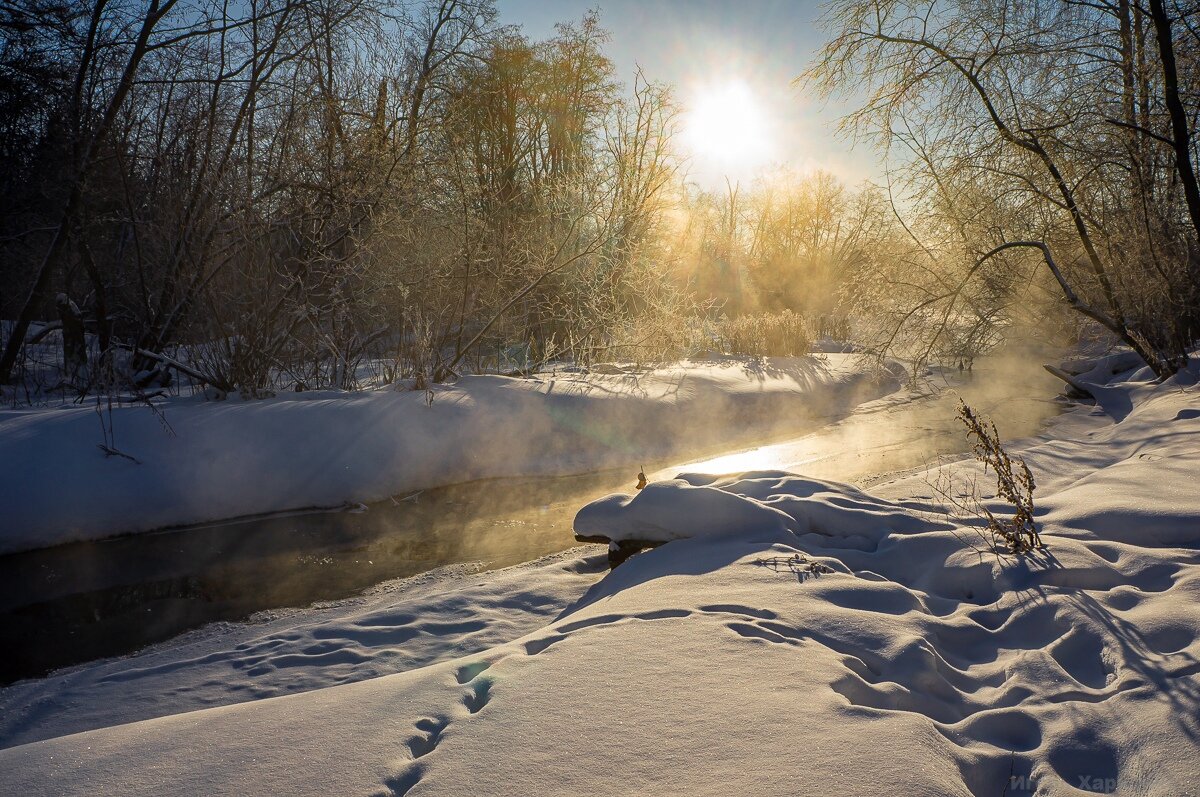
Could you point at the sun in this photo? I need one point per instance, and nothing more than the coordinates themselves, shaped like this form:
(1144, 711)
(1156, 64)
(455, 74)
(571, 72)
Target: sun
(727, 128)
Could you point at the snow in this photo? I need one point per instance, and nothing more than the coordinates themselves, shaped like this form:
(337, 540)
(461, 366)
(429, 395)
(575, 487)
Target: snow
(394, 627)
(676, 510)
(748, 505)
(201, 461)
(795, 636)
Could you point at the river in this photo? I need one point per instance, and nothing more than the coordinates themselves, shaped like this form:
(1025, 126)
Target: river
(83, 601)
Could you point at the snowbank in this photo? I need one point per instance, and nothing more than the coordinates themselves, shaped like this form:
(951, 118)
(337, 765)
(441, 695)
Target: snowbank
(846, 644)
(394, 627)
(215, 460)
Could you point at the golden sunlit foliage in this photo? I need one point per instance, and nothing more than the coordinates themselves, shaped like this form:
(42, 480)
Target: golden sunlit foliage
(309, 193)
(283, 194)
(1043, 150)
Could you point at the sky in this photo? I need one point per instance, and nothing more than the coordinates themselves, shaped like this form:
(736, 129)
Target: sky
(741, 56)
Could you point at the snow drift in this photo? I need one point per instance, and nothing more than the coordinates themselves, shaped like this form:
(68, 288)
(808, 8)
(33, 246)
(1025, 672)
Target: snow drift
(792, 637)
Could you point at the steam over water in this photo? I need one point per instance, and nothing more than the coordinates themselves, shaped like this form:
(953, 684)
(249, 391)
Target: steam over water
(895, 434)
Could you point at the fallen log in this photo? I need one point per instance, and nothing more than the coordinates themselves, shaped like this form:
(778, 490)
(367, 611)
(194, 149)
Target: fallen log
(1080, 390)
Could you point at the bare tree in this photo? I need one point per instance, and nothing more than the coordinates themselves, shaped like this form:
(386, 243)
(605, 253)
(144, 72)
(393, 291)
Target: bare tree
(1014, 98)
(87, 145)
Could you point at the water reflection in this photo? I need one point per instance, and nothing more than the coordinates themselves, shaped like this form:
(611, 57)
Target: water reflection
(88, 600)
(894, 434)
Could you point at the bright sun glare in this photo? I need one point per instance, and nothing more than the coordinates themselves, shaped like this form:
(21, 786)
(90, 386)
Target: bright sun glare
(727, 129)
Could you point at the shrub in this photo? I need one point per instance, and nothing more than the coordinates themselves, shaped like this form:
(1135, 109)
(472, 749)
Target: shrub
(784, 334)
(1013, 484)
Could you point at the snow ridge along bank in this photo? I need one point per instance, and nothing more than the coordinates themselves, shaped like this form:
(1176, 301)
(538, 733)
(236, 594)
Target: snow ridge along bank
(322, 449)
(865, 645)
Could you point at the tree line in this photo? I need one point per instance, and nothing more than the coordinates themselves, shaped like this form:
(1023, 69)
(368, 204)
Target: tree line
(270, 193)
(285, 184)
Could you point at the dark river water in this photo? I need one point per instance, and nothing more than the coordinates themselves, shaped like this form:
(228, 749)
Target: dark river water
(83, 601)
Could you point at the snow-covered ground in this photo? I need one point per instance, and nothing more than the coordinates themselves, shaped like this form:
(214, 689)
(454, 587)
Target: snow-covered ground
(202, 460)
(399, 625)
(823, 640)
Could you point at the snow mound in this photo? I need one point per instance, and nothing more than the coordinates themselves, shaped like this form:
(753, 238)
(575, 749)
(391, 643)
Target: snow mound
(675, 510)
(756, 505)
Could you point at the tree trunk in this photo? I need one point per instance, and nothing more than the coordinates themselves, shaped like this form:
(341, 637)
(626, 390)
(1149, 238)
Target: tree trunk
(75, 196)
(74, 343)
(1180, 134)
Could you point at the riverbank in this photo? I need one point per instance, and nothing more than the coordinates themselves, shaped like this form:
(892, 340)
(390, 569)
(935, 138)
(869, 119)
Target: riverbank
(192, 461)
(84, 601)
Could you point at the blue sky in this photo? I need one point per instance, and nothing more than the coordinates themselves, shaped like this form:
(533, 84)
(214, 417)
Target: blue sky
(691, 44)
